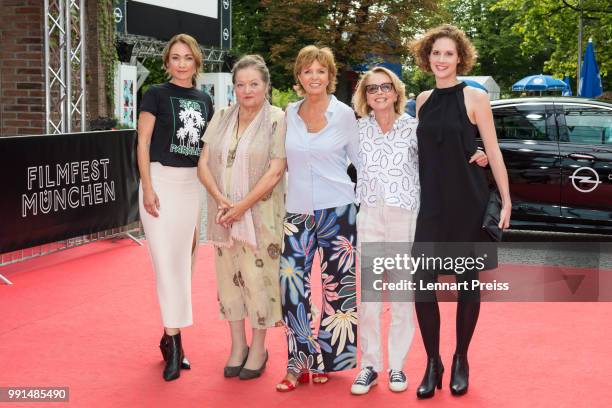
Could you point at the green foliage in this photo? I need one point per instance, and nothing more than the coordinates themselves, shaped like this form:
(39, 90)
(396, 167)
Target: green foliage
(283, 98)
(157, 73)
(416, 80)
(514, 38)
(108, 52)
(499, 46)
(553, 25)
(355, 31)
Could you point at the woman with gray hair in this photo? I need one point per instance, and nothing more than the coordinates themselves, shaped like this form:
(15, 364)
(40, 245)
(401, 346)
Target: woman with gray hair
(242, 167)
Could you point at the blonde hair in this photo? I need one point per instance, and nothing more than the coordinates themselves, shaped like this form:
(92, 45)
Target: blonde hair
(307, 56)
(360, 101)
(193, 46)
(421, 48)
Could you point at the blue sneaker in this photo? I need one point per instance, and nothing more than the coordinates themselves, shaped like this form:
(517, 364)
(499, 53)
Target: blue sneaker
(397, 381)
(365, 379)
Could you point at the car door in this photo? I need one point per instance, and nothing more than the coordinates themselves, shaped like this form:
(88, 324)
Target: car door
(585, 132)
(527, 136)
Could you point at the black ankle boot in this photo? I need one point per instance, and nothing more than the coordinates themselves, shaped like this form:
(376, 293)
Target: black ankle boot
(163, 346)
(174, 351)
(460, 372)
(431, 379)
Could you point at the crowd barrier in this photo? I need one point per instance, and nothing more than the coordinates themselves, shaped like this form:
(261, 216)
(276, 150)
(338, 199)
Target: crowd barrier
(65, 190)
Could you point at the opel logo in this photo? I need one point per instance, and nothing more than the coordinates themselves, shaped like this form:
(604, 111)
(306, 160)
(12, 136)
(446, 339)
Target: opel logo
(225, 34)
(118, 14)
(226, 4)
(585, 178)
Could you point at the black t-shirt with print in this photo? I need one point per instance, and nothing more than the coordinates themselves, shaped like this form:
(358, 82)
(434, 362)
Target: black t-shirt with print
(181, 116)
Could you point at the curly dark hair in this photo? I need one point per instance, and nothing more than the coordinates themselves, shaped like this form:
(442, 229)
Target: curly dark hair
(421, 48)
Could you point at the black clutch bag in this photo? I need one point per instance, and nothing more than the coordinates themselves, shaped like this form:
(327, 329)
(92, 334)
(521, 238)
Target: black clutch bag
(490, 222)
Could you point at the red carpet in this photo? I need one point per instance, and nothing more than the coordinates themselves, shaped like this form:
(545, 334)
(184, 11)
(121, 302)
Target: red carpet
(88, 318)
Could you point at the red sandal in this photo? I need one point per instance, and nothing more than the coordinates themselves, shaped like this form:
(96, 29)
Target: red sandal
(304, 378)
(320, 378)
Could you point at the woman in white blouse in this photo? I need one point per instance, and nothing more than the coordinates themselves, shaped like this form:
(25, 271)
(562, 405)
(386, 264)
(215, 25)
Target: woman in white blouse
(388, 191)
(322, 136)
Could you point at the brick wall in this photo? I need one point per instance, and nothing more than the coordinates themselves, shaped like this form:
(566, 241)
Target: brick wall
(22, 81)
(22, 70)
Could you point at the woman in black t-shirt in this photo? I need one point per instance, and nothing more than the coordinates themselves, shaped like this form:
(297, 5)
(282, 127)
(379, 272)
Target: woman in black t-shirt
(173, 118)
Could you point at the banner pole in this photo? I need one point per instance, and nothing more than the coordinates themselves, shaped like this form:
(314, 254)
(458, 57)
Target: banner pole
(8, 282)
(133, 238)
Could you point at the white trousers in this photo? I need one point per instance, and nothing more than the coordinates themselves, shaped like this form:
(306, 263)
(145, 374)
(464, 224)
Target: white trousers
(385, 224)
(170, 239)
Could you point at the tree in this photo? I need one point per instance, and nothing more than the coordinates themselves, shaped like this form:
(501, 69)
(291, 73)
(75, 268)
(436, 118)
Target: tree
(355, 31)
(498, 46)
(416, 81)
(554, 24)
(248, 35)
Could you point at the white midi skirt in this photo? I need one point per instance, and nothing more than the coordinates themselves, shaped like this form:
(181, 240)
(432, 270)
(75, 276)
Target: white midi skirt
(170, 239)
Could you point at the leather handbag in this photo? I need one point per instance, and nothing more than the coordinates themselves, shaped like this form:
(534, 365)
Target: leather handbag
(490, 222)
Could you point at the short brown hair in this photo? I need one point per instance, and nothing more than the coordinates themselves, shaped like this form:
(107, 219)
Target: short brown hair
(360, 101)
(421, 48)
(193, 46)
(307, 56)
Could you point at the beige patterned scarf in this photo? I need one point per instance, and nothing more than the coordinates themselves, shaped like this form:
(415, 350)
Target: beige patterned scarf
(251, 162)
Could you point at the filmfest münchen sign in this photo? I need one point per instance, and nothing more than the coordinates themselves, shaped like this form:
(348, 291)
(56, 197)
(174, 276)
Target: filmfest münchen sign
(61, 186)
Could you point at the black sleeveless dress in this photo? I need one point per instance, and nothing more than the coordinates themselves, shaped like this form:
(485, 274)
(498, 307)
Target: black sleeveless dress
(454, 193)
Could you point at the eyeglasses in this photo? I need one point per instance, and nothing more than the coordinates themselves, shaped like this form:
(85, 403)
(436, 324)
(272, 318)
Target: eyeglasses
(386, 88)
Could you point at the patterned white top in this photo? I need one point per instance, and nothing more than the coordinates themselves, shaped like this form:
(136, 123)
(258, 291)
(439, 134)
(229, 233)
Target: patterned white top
(389, 163)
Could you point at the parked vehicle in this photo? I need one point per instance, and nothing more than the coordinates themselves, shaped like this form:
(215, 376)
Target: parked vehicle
(558, 152)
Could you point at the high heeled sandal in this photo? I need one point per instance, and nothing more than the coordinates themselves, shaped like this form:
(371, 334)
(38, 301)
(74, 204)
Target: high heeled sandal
(304, 378)
(320, 378)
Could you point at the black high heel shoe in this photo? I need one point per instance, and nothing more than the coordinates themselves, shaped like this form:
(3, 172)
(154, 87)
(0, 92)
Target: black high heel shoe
(431, 379)
(175, 355)
(163, 346)
(234, 371)
(460, 373)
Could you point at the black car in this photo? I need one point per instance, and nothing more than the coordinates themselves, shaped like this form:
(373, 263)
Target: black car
(558, 152)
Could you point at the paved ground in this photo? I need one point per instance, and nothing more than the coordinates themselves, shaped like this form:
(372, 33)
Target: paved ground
(553, 248)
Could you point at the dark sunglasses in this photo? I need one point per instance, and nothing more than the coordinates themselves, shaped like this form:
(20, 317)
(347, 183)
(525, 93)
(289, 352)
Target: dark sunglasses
(386, 88)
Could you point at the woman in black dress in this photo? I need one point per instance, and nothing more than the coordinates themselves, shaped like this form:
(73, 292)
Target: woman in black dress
(454, 190)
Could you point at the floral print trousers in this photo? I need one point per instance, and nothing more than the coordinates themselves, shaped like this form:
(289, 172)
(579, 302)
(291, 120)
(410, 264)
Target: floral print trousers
(332, 234)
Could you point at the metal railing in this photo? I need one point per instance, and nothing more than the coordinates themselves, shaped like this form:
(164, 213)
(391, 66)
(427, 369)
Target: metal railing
(132, 231)
(146, 47)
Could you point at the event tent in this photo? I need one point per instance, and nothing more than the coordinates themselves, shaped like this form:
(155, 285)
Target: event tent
(487, 82)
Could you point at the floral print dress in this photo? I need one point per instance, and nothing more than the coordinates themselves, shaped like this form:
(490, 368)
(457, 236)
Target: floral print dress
(247, 280)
